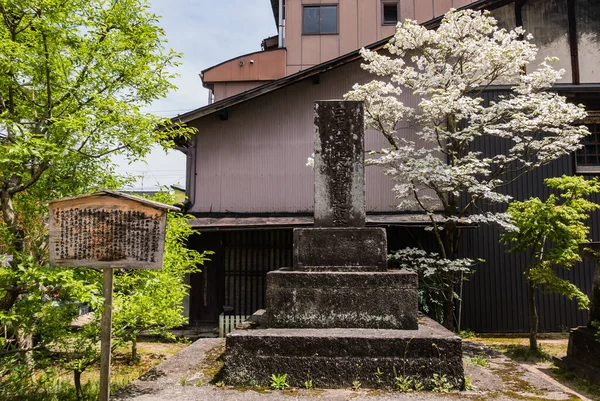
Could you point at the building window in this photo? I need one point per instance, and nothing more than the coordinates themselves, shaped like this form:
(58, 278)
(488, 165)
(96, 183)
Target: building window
(320, 20)
(390, 13)
(587, 159)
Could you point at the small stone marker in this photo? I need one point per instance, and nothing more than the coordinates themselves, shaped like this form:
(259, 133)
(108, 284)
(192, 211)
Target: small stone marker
(107, 230)
(339, 164)
(583, 353)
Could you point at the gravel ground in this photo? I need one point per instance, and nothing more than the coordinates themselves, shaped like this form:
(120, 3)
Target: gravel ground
(187, 375)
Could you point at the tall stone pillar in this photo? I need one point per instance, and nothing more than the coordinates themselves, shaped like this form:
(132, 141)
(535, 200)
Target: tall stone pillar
(339, 283)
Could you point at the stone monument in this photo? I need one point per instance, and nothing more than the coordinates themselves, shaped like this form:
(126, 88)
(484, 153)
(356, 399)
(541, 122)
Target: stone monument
(338, 315)
(583, 352)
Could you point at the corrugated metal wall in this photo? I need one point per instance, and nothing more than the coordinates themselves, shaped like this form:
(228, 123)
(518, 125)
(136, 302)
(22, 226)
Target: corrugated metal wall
(495, 297)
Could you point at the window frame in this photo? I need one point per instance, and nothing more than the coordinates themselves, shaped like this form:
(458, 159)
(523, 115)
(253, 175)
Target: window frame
(319, 6)
(592, 119)
(390, 3)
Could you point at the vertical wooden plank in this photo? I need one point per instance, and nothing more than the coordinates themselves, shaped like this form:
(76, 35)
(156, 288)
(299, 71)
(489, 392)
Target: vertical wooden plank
(105, 335)
(424, 11)
(407, 10)
(367, 30)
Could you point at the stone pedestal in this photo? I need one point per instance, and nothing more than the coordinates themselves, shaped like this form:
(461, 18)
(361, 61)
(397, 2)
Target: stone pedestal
(337, 315)
(382, 300)
(583, 354)
(335, 358)
(340, 249)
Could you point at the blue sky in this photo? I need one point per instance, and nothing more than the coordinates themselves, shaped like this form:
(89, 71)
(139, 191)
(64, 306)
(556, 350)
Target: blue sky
(207, 32)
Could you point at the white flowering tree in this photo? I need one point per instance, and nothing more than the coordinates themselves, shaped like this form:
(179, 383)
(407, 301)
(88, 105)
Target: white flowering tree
(438, 171)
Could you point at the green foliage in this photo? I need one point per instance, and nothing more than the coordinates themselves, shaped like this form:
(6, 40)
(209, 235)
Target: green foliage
(279, 382)
(479, 360)
(356, 385)
(551, 233)
(596, 324)
(469, 384)
(465, 334)
(75, 76)
(152, 300)
(379, 376)
(308, 384)
(403, 383)
(440, 384)
(435, 287)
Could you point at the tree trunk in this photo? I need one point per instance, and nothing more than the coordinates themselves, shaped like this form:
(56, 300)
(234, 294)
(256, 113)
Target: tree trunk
(533, 317)
(25, 342)
(449, 302)
(77, 382)
(134, 349)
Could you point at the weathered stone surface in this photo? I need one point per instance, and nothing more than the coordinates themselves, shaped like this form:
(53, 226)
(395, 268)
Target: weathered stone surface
(334, 358)
(591, 251)
(339, 164)
(340, 249)
(378, 300)
(583, 353)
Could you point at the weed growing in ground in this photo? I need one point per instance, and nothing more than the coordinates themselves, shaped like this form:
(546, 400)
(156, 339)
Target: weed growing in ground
(403, 383)
(469, 384)
(440, 384)
(479, 360)
(356, 385)
(525, 353)
(379, 376)
(279, 382)
(308, 384)
(466, 334)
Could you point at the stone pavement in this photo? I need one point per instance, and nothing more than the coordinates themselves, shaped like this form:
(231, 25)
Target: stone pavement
(187, 376)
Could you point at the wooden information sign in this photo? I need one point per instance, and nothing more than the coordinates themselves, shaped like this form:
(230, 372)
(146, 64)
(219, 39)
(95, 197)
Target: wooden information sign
(107, 230)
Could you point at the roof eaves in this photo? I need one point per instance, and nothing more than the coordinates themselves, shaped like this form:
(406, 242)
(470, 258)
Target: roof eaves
(116, 194)
(275, 7)
(316, 69)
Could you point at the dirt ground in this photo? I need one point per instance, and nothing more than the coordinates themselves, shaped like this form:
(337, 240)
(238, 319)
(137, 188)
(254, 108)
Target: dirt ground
(188, 376)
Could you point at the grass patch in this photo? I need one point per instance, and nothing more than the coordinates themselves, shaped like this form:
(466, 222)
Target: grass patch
(59, 387)
(591, 389)
(517, 348)
(479, 360)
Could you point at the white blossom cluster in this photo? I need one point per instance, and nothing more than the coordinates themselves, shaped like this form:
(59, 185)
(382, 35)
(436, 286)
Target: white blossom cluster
(429, 264)
(449, 69)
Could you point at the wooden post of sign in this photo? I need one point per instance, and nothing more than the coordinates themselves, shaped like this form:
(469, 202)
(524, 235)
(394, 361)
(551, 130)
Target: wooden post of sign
(105, 334)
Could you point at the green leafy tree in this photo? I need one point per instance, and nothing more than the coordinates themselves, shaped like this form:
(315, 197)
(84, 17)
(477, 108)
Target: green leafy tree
(152, 300)
(551, 232)
(75, 76)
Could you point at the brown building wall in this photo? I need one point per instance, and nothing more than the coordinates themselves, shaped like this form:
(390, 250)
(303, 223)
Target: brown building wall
(255, 161)
(359, 24)
(222, 90)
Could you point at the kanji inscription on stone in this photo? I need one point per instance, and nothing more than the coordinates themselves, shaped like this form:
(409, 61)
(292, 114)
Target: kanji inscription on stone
(339, 164)
(106, 231)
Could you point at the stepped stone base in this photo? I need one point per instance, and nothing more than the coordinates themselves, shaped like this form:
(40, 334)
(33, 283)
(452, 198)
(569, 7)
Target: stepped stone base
(583, 354)
(334, 358)
(375, 300)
